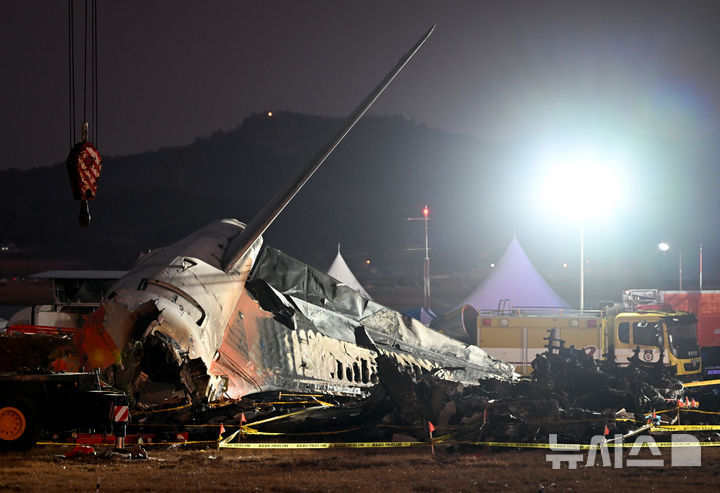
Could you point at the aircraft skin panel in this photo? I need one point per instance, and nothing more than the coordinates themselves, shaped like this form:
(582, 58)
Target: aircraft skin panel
(337, 311)
(259, 354)
(180, 292)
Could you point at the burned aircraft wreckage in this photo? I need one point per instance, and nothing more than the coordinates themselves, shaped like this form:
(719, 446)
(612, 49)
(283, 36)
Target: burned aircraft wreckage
(219, 314)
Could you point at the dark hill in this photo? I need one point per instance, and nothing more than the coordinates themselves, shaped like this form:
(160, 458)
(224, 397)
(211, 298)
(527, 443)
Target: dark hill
(385, 171)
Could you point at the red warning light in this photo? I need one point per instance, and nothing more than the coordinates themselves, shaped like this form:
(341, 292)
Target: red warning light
(426, 211)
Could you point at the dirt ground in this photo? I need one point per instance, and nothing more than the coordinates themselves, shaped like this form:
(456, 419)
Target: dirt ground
(414, 470)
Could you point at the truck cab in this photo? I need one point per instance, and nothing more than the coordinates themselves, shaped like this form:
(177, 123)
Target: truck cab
(655, 335)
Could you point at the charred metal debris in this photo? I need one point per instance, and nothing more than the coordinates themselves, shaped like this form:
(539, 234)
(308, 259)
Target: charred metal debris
(294, 329)
(570, 394)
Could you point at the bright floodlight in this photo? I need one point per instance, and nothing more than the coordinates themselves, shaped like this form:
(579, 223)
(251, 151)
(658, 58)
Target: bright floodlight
(580, 184)
(664, 247)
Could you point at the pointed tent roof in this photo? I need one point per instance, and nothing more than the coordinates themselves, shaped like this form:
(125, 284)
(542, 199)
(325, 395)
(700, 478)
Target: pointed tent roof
(516, 279)
(339, 270)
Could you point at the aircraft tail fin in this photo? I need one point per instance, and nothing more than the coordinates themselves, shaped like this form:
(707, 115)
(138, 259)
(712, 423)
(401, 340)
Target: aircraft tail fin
(257, 226)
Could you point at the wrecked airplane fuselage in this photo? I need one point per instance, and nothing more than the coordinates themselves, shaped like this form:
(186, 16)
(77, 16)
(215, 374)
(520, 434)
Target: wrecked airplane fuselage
(180, 328)
(215, 314)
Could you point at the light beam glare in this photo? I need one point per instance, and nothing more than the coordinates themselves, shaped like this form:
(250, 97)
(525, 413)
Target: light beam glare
(580, 182)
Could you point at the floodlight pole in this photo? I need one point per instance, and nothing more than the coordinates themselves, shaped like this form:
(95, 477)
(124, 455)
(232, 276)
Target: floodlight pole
(700, 266)
(680, 270)
(582, 263)
(426, 270)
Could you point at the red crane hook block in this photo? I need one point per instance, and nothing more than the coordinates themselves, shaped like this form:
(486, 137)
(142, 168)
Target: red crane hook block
(84, 164)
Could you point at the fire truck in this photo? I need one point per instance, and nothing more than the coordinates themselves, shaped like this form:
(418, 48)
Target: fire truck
(644, 333)
(705, 304)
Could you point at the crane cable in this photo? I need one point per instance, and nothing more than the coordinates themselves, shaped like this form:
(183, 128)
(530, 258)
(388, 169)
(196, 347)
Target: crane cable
(96, 117)
(90, 29)
(71, 70)
(84, 162)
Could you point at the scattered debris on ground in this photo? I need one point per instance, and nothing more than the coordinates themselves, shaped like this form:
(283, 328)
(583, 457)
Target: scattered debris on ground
(570, 394)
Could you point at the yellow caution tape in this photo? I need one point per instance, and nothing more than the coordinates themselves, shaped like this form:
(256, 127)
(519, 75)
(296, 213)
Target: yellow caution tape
(285, 403)
(252, 431)
(348, 445)
(325, 445)
(73, 444)
(701, 383)
(686, 428)
(160, 425)
(554, 447)
(143, 413)
(281, 394)
(329, 445)
(578, 446)
(282, 416)
(685, 410)
(698, 411)
(665, 411)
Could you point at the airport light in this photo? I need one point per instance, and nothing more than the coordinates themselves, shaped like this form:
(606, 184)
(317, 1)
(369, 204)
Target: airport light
(426, 266)
(580, 184)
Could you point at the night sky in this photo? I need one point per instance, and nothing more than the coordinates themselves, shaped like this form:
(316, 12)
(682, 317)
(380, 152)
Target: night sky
(531, 75)
(170, 71)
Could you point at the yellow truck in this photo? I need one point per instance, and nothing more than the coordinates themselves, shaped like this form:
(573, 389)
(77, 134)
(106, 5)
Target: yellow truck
(517, 334)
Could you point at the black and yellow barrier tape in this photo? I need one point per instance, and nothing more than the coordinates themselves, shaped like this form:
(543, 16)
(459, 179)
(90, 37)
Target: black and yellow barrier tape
(699, 411)
(701, 383)
(350, 445)
(584, 446)
(329, 445)
(554, 447)
(156, 411)
(685, 428)
(325, 445)
(73, 444)
(288, 403)
(281, 394)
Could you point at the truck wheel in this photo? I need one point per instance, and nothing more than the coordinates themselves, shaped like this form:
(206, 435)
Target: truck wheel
(18, 424)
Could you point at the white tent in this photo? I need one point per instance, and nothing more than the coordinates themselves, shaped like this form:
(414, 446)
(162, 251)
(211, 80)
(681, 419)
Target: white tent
(515, 279)
(339, 270)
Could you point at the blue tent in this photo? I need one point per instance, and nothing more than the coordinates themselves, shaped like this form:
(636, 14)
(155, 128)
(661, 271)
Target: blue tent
(422, 314)
(515, 279)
